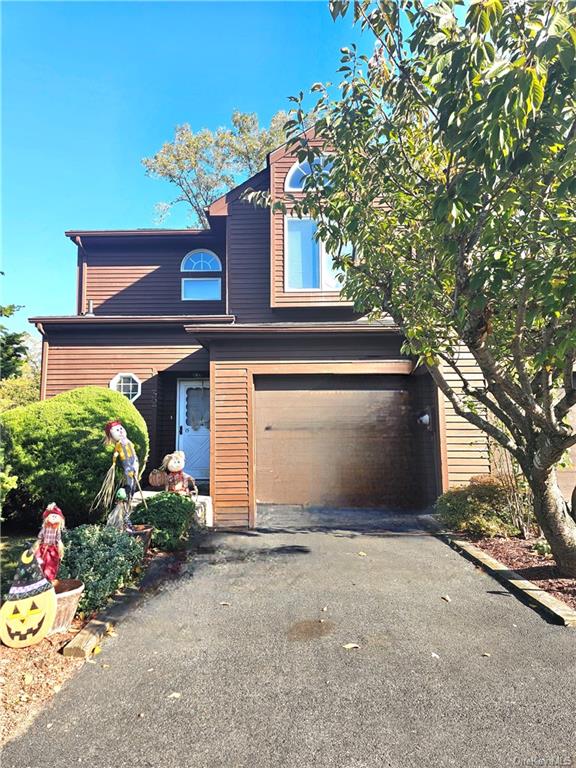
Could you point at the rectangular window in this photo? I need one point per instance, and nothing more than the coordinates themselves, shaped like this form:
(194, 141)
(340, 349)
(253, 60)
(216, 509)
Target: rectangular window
(308, 265)
(201, 289)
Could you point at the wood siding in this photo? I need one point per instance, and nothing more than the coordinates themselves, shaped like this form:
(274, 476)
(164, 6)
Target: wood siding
(466, 447)
(158, 358)
(234, 364)
(131, 277)
(280, 298)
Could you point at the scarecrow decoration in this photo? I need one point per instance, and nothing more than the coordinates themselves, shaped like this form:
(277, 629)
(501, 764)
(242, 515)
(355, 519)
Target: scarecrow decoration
(171, 475)
(125, 451)
(119, 518)
(48, 547)
(30, 608)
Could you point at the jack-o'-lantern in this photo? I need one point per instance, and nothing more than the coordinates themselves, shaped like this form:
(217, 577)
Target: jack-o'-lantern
(28, 613)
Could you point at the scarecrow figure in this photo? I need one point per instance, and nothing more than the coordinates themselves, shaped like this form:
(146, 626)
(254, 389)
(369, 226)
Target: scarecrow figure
(172, 476)
(119, 518)
(48, 547)
(125, 451)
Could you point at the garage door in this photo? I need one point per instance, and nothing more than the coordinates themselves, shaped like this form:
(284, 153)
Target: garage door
(344, 441)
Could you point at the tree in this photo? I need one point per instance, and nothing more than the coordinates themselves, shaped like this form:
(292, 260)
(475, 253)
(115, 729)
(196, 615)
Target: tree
(13, 349)
(204, 165)
(450, 169)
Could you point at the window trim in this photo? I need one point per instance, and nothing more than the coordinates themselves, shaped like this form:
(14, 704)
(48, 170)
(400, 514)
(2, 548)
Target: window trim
(288, 186)
(198, 280)
(200, 250)
(321, 258)
(112, 384)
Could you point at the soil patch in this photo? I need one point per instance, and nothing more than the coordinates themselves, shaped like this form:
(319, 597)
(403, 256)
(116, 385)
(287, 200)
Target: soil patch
(540, 569)
(29, 678)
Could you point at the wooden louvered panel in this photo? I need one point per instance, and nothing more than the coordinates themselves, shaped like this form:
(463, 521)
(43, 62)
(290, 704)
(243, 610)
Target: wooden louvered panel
(230, 468)
(467, 451)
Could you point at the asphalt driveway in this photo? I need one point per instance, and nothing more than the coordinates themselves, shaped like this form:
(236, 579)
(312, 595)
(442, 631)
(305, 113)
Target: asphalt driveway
(241, 662)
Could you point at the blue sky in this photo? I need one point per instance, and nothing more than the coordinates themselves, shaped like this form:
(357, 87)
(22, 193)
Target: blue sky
(89, 88)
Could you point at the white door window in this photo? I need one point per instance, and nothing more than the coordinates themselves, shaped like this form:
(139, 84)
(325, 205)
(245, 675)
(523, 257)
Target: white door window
(193, 429)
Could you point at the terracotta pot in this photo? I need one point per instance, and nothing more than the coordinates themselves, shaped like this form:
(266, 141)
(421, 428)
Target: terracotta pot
(68, 594)
(144, 533)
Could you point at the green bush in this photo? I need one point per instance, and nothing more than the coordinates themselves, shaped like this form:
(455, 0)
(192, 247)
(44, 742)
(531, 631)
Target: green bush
(170, 515)
(479, 508)
(56, 449)
(103, 558)
(542, 548)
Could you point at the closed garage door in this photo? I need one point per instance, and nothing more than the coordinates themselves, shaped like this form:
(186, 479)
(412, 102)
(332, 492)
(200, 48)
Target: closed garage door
(340, 441)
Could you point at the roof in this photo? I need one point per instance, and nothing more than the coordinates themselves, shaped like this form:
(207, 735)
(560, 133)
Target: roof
(72, 233)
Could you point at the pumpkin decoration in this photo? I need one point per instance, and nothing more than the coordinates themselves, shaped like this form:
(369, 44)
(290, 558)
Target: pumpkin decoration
(30, 608)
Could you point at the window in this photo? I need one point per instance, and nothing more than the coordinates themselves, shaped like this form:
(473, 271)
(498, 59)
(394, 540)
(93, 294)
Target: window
(127, 384)
(308, 265)
(204, 286)
(296, 176)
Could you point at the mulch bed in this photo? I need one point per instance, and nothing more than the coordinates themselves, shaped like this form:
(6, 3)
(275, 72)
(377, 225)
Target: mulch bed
(29, 678)
(541, 570)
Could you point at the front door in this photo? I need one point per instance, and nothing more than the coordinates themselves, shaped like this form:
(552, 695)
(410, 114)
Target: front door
(193, 426)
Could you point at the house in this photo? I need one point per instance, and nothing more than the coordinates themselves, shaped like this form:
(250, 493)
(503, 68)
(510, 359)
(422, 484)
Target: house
(235, 345)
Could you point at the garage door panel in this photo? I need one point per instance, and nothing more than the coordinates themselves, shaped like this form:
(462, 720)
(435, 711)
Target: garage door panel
(335, 441)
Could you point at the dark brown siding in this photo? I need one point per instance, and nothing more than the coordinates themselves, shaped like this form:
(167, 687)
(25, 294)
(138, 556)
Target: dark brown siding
(142, 276)
(249, 265)
(157, 358)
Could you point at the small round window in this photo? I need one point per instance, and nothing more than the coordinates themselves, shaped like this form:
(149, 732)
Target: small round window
(128, 384)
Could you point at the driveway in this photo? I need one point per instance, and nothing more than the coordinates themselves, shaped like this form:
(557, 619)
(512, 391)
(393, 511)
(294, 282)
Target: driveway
(241, 663)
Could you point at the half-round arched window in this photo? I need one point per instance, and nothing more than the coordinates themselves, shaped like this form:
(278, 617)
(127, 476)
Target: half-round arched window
(296, 177)
(206, 285)
(201, 261)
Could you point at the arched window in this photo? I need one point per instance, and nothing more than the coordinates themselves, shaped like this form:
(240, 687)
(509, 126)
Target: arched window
(204, 286)
(296, 177)
(201, 261)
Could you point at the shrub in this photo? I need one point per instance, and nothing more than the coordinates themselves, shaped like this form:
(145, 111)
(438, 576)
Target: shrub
(56, 449)
(170, 515)
(103, 558)
(479, 508)
(542, 548)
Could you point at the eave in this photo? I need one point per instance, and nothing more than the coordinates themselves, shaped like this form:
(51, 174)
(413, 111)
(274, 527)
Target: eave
(130, 321)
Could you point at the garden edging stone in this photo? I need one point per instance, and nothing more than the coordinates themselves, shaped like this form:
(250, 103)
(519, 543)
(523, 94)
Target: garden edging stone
(558, 610)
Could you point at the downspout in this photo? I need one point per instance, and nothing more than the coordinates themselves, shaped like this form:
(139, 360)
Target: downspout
(44, 363)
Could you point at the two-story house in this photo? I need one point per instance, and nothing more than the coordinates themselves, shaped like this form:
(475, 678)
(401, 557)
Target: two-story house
(236, 347)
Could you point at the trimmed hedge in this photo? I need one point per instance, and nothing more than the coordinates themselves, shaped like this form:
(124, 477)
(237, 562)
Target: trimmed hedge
(103, 558)
(171, 516)
(55, 448)
(479, 508)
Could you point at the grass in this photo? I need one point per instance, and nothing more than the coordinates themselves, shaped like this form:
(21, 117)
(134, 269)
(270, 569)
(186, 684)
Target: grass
(11, 548)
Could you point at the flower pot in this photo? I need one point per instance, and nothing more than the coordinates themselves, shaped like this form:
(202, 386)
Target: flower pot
(144, 533)
(68, 593)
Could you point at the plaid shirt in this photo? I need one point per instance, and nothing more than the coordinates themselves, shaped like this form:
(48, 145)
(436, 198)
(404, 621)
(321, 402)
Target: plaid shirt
(49, 535)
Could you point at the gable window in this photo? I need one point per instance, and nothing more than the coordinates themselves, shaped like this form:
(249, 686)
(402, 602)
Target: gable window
(127, 384)
(308, 265)
(206, 282)
(296, 176)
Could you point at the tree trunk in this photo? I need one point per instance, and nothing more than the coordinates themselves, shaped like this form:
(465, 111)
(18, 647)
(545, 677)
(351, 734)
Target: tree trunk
(553, 516)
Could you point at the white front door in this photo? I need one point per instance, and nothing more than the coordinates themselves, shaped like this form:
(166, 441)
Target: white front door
(193, 426)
